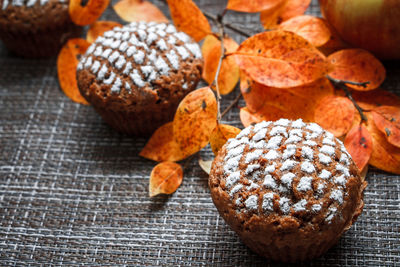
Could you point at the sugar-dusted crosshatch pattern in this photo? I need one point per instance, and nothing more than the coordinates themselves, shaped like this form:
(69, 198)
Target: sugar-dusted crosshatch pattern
(73, 191)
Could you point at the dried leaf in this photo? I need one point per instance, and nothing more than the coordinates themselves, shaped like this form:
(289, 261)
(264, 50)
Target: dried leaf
(270, 18)
(205, 165)
(293, 103)
(335, 114)
(188, 18)
(384, 155)
(67, 63)
(375, 98)
(220, 135)
(86, 14)
(281, 59)
(357, 65)
(139, 10)
(162, 146)
(195, 119)
(245, 82)
(363, 172)
(229, 73)
(334, 43)
(165, 178)
(358, 143)
(387, 120)
(268, 113)
(252, 6)
(98, 28)
(294, 8)
(311, 28)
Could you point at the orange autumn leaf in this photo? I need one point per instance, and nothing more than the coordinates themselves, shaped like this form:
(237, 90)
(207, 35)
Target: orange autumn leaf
(294, 8)
(229, 73)
(86, 14)
(98, 28)
(245, 82)
(387, 120)
(335, 114)
(334, 43)
(375, 98)
(188, 18)
(139, 10)
(248, 118)
(268, 113)
(270, 18)
(357, 65)
(195, 119)
(165, 178)
(384, 155)
(295, 102)
(67, 63)
(281, 59)
(162, 146)
(221, 134)
(287, 9)
(358, 143)
(252, 6)
(311, 28)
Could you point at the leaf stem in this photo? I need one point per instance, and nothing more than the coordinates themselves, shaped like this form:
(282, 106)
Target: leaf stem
(220, 36)
(337, 81)
(231, 105)
(227, 25)
(342, 85)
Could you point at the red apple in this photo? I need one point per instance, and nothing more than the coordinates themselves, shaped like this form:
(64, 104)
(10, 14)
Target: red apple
(370, 24)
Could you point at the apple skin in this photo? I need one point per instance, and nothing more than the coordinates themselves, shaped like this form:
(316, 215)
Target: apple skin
(373, 25)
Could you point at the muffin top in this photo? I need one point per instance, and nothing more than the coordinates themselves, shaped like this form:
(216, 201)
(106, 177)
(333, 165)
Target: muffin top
(138, 62)
(27, 3)
(286, 168)
(33, 15)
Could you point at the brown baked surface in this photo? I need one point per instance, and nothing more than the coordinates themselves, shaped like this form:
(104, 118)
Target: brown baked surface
(36, 31)
(132, 107)
(297, 209)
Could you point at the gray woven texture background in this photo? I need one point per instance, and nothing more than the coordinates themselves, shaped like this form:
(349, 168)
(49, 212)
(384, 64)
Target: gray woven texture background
(73, 191)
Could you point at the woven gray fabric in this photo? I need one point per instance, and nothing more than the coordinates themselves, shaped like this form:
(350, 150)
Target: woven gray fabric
(73, 191)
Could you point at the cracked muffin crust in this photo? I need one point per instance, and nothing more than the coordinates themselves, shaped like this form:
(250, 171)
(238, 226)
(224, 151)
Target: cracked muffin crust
(288, 188)
(136, 75)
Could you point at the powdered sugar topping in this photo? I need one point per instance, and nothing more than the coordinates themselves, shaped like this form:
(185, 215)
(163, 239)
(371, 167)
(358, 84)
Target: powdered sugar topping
(137, 54)
(280, 158)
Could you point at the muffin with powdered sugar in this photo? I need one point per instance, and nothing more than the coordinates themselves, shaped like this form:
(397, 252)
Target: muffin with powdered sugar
(36, 28)
(289, 189)
(136, 75)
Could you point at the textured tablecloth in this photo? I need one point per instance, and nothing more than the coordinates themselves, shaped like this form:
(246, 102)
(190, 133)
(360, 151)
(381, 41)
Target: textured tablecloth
(73, 191)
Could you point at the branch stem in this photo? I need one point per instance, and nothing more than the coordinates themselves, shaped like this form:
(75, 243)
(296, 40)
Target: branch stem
(227, 25)
(231, 105)
(342, 85)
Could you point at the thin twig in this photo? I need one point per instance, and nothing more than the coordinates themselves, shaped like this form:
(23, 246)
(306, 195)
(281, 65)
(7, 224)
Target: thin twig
(231, 105)
(220, 36)
(337, 81)
(342, 85)
(227, 25)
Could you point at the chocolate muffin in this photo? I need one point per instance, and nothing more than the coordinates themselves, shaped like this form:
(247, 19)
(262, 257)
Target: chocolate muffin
(135, 76)
(289, 189)
(36, 28)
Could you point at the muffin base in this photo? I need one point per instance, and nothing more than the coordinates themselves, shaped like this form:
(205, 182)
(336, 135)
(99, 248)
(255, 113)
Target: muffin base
(39, 44)
(138, 123)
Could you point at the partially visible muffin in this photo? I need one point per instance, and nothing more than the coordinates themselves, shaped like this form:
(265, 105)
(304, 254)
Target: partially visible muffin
(289, 189)
(36, 28)
(135, 76)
